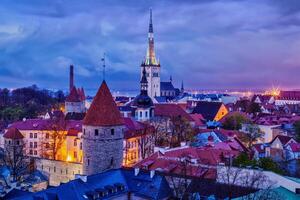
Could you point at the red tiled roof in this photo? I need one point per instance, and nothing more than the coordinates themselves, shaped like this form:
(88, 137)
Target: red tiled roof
(171, 110)
(103, 110)
(13, 133)
(135, 128)
(169, 162)
(283, 139)
(198, 118)
(72, 132)
(45, 124)
(295, 147)
(289, 95)
(73, 96)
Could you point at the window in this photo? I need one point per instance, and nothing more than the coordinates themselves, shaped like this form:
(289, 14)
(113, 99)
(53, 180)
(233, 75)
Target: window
(47, 145)
(112, 131)
(35, 135)
(18, 142)
(112, 161)
(146, 114)
(75, 143)
(35, 145)
(96, 132)
(54, 169)
(30, 152)
(84, 131)
(88, 161)
(141, 113)
(31, 145)
(75, 154)
(9, 141)
(35, 152)
(155, 74)
(31, 135)
(47, 135)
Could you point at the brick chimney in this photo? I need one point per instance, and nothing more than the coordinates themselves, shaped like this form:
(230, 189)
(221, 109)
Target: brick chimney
(71, 77)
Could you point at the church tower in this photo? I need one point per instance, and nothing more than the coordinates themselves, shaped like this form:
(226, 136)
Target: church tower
(151, 65)
(103, 133)
(143, 107)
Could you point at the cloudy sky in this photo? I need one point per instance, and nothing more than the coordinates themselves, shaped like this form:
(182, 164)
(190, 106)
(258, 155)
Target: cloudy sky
(221, 44)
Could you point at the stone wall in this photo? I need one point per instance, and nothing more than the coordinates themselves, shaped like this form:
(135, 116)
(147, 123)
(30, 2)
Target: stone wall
(102, 151)
(58, 171)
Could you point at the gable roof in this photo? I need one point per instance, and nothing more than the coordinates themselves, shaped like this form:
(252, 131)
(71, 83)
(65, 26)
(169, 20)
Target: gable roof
(166, 86)
(13, 133)
(283, 139)
(141, 185)
(73, 96)
(207, 109)
(103, 110)
(171, 110)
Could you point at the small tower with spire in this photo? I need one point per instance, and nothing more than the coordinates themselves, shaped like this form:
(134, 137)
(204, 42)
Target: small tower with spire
(182, 88)
(143, 107)
(151, 64)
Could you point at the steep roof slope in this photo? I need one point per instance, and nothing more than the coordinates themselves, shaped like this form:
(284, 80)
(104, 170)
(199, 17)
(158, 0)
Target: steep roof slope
(103, 110)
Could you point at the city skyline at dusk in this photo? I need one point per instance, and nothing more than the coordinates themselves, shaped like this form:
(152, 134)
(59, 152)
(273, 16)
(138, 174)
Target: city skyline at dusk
(207, 44)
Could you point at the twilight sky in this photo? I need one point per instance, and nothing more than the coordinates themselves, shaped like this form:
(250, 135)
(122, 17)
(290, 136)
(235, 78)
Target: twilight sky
(210, 44)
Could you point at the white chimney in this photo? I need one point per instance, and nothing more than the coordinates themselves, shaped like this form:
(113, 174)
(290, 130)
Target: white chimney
(82, 177)
(152, 173)
(136, 171)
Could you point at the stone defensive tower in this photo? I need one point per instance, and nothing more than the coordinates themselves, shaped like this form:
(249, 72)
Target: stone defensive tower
(103, 133)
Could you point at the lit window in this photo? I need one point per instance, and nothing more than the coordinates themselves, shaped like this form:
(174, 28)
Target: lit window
(75, 143)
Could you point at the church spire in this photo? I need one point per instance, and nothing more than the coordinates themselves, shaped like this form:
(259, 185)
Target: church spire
(150, 57)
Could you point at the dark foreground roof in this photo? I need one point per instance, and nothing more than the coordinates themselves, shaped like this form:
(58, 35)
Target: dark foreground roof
(207, 109)
(115, 183)
(206, 188)
(166, 86)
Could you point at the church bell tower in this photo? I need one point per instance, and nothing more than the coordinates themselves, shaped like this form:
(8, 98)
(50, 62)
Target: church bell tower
(151, 65)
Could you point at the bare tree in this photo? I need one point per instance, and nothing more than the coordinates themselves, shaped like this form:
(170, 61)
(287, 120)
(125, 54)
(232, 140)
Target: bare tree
(181, 129)
(256, 182)
(13, 156)
(186, 170)
(160, 126)
(145, 143)
(252, 134)
(54, 139)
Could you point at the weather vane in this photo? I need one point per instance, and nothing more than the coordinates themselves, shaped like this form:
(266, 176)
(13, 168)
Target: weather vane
(103, 65)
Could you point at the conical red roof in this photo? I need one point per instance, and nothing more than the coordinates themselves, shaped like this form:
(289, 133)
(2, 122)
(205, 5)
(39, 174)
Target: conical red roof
(103, 110)
(73, 96)
(13, 133)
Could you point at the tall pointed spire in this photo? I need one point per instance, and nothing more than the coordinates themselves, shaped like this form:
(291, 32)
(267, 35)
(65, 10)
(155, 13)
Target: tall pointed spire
(150, 23)
(150, 57)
